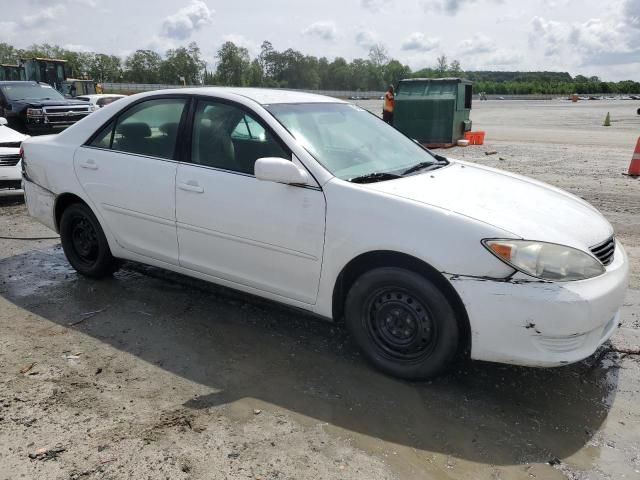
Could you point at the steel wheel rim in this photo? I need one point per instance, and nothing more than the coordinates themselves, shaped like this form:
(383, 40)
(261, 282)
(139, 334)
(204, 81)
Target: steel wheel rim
(400, 325)
(84, 239)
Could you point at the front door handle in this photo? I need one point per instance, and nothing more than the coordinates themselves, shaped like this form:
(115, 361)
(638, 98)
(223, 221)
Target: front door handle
(191, 186)
(89, 164)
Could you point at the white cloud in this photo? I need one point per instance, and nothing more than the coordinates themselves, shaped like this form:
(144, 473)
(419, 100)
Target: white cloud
(418, 41)
(187, 20)
(366, 38)
(612, 40)
(479, 43)
(376, 6)
(450, 7)
(552, 35)
(325, 30)
(42, 17)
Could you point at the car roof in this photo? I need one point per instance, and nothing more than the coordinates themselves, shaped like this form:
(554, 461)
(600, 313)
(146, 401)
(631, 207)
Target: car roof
(263, 96)
(19, 82)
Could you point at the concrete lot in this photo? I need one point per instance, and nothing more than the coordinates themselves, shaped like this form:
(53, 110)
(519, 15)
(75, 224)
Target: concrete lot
(154, 375)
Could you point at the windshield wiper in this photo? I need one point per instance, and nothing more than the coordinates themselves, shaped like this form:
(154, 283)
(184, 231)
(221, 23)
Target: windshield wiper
(427, 165)
(374, 177)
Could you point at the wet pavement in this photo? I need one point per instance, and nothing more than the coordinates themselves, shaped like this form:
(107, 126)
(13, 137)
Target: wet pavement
(234, 353)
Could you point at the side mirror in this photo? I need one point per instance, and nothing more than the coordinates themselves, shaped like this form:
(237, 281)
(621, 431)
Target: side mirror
(3, 121)
(279, 170)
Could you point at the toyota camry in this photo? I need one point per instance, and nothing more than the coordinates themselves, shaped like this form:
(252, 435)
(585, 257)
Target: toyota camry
(318, 204)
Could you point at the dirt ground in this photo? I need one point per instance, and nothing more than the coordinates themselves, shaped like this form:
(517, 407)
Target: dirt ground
(151, 375)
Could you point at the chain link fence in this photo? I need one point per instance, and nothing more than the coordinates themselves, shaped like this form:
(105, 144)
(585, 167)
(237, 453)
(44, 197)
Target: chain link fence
(131, 88)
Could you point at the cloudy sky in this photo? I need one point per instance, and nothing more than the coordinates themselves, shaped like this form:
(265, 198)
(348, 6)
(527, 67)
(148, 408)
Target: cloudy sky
(592, 37)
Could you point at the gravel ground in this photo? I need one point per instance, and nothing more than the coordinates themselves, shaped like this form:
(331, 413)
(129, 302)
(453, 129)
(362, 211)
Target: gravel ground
(157, 376)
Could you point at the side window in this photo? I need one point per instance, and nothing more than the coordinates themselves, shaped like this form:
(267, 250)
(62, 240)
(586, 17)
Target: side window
(150, 128)
(249, 129)
(227, 137)
(103, 140)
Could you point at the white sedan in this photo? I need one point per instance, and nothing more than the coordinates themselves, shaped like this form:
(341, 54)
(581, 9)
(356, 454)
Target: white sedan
(318, 204)
(10, 165)
(100, 100)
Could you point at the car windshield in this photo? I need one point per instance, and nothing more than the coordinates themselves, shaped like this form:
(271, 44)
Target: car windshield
(350, 142)
(30, 92)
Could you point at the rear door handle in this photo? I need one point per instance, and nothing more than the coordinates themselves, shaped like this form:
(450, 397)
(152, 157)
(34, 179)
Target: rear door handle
(191, 186)
(89, 164)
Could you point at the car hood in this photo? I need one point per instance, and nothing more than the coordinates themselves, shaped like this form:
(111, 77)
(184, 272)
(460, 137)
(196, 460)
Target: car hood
(525, 207)
(8, 135)
(51, 103)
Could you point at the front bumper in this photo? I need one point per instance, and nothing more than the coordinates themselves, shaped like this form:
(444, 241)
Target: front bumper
(543, 324)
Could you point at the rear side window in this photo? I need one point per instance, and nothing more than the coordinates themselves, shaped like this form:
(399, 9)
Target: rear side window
(103, 140)
(149, 128)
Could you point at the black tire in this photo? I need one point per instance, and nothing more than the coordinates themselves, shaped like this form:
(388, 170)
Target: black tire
(84, 243)
(402, 322)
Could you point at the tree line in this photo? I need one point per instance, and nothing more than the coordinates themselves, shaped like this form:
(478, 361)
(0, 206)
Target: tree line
(293, 69)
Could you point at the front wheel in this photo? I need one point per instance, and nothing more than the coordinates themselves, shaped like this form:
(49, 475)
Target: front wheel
(84, 242)
(402, 322)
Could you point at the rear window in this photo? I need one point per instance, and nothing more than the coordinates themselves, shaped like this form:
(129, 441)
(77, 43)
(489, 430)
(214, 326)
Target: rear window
(106, 101)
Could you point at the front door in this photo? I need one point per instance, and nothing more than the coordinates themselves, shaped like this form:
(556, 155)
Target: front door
(128, 171)
(263, 235)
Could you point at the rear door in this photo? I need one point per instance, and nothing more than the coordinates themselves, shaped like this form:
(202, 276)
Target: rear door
(128, 171)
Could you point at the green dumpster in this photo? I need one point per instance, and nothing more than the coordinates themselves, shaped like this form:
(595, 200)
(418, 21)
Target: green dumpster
(433, 111)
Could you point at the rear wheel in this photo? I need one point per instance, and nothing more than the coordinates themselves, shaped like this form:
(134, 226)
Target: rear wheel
(402, 322)
(84, 242)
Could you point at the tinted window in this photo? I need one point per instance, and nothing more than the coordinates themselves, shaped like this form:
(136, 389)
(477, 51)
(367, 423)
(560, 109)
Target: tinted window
(227, 137)
(106, 101)
(150, 128)
(103, 140)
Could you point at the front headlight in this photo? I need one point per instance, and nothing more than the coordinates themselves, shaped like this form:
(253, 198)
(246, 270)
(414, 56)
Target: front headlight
(34, 112)
(547, 261)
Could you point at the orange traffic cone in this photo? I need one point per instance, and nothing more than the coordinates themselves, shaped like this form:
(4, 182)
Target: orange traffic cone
(634, 166)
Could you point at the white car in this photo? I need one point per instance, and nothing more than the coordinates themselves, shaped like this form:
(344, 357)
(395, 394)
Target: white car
(99, 100)
(318, 204)
(10, 165)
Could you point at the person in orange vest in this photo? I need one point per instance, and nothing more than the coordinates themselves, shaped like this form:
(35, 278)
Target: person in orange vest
(387, 108)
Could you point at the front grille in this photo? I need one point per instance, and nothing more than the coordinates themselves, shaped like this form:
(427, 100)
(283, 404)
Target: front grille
(9, 160)
(65, 115)
(65, 119)
(604, 251)
(78, 109)
(10, 144)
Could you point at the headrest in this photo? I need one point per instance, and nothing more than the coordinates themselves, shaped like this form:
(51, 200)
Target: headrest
(138, 130)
